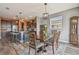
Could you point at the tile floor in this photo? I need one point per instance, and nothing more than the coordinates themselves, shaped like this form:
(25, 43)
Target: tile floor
(64, 49)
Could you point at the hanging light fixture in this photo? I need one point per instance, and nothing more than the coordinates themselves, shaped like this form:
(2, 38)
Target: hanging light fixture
(45, 14)
(20, 16)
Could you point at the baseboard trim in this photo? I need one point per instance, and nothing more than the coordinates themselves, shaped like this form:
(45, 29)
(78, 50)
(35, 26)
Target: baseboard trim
(64, 42)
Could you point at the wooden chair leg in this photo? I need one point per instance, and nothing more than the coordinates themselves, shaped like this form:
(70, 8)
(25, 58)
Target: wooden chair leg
(35, 51)
(29, 50)
(56, 45)
(53, 49)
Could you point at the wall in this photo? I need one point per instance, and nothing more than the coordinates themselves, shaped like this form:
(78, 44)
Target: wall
(38, 27)
(66, 22)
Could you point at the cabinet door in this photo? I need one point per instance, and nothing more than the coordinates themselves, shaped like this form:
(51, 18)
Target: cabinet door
(73, 31)
(74, 39)
(0, 28)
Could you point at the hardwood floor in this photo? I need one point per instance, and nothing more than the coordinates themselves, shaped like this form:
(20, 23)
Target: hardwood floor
(6, 48)
(11, 48)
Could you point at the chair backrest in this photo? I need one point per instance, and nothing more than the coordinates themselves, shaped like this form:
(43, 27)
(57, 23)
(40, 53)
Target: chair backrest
(56, 35)
(32, 37)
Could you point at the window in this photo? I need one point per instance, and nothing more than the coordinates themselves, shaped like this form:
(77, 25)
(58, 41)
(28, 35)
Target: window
(56, 23)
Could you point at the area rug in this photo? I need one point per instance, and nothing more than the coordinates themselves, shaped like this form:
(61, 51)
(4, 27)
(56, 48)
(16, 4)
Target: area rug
(71, 51)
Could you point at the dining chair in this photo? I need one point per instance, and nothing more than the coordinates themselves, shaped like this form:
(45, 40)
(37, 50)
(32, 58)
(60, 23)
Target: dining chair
(55, 40)
(34, 43)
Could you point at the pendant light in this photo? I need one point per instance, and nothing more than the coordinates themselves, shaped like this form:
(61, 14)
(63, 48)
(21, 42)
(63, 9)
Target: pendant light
(21, 18)
(45, 14)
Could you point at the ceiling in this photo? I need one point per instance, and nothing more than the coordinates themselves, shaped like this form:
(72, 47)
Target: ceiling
(10, 10)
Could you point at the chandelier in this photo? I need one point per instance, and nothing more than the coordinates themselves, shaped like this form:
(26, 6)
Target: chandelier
(20, 14)
(45, 14)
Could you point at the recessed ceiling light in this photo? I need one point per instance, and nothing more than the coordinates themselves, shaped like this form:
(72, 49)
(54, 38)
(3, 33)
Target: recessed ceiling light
(7, 8)
(20, 12)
